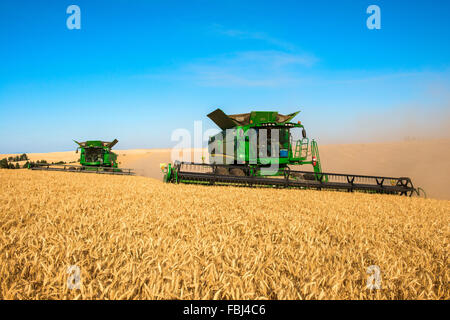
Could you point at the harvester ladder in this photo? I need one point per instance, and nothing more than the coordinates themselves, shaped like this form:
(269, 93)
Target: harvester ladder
(301, 149)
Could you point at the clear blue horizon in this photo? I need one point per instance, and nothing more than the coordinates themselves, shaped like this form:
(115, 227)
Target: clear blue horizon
(136, 71)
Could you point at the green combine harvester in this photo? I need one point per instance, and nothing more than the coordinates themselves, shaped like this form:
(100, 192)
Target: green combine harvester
(265, 149)
(95, 157)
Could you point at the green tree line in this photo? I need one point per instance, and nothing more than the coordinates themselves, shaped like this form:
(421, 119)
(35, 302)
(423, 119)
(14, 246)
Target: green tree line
(7, 163)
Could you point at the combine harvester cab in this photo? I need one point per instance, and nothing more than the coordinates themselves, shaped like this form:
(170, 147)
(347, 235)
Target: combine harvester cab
(265, 148)
(94, 154)
(95, 157)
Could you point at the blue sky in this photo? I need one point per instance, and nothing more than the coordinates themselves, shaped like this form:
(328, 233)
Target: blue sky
(138, 70)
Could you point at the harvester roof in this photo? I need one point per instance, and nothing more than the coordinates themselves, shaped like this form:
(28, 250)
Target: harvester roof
(225, 121)
(97, 143)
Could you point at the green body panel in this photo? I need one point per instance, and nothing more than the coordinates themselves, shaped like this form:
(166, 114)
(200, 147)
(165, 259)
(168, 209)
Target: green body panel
(96, 153)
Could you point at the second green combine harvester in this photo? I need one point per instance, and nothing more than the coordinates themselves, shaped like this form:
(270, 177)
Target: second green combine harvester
(95, 157)
(264, 148)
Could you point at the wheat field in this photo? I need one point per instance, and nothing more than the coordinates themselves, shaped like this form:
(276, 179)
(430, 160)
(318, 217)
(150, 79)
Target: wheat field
(137, 238)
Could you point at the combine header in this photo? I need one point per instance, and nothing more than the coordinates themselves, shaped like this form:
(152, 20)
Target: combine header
(95, 157)
(263, 149)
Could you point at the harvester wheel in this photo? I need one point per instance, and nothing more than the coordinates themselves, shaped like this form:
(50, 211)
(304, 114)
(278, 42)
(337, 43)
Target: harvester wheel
(221, 171)
(237, 172)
